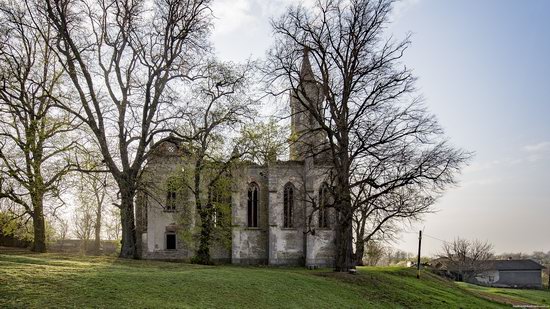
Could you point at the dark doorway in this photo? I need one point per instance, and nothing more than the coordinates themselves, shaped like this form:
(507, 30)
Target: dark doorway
(170, 241)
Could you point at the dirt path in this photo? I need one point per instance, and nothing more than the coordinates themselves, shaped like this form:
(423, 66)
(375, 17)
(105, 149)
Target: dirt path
(506, 300)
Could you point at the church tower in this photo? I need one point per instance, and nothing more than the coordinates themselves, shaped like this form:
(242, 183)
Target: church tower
(306, 138)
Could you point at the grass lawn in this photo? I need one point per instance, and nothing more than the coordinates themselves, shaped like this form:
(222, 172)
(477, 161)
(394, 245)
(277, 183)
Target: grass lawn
(515, 296)
(51, 280)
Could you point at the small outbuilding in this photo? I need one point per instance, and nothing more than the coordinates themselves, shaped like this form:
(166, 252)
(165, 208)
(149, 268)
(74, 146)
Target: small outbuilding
(510, 273)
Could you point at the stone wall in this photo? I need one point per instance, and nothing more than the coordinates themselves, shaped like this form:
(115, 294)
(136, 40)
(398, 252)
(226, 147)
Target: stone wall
(156, 222)
(286, 244)
(249, 244)
(269, 243)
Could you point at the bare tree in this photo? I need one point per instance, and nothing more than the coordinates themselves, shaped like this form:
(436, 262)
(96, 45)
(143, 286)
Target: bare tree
(126, 61)
(376, 131)
(95, 191)
(466, 258)
(83, 221)
(375, 251)
(61, 231)
(112, 223)
(382, 218)
(33, 142)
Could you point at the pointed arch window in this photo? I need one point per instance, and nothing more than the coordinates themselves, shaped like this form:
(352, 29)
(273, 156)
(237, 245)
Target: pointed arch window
(288, 202)
(253, 193)
(323, 205)
(170, 200)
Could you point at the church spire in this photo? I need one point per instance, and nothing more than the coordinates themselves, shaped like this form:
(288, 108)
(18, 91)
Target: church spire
(306, 73)
(306, 139)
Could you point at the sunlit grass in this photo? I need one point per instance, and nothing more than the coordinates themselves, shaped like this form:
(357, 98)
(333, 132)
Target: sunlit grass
(55, 281)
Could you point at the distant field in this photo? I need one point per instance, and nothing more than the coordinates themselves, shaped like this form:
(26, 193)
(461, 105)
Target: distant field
(56, 281)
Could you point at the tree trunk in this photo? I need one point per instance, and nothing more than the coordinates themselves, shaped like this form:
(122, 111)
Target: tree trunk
(360, 240)
(203, 252)
(39, 244)
(97, 226)
(344, 235)
(97, 231)
(344, 240)
(344, 229)
(359, 251)
(128, 241)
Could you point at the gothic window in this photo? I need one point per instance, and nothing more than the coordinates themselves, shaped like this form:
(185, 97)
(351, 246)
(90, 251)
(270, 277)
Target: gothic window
(323, 205)
(288, 202)
(253, 191)
(170, 241)
(170, 200)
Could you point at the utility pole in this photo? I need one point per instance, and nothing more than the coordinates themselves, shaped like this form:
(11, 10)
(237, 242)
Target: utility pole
(418, 260)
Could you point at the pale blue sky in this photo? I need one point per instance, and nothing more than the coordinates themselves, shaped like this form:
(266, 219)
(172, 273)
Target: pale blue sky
(484, 69)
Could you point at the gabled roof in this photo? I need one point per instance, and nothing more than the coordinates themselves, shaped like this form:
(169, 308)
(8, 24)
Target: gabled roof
(515, 265)
(170, 146)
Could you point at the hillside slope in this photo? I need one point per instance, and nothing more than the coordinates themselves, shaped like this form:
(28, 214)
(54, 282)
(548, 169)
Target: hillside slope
(48, 280)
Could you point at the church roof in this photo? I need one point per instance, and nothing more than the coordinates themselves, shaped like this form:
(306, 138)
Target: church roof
(169, 146)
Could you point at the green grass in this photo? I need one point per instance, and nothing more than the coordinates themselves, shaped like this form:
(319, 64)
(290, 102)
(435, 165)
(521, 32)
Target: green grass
(534, 297)
(55, 281)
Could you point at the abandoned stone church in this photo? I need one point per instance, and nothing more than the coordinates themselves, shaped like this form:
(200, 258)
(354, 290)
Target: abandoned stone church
(274, 219)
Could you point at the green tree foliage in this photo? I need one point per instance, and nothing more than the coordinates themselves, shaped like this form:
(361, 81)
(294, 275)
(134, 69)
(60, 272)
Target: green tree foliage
(34, 143)
(16, 227)
(265, 141)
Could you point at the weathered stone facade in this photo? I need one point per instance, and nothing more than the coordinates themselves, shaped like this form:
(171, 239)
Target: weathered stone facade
(271, 242)
(274, 216)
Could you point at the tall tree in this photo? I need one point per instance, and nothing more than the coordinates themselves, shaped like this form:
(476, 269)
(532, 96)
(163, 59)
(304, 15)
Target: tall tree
(377, 133)
(221, 106)
(126, 59)
(33, 141)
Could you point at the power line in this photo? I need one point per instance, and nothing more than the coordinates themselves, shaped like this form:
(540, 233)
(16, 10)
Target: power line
(433, 237)
(424, 234)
